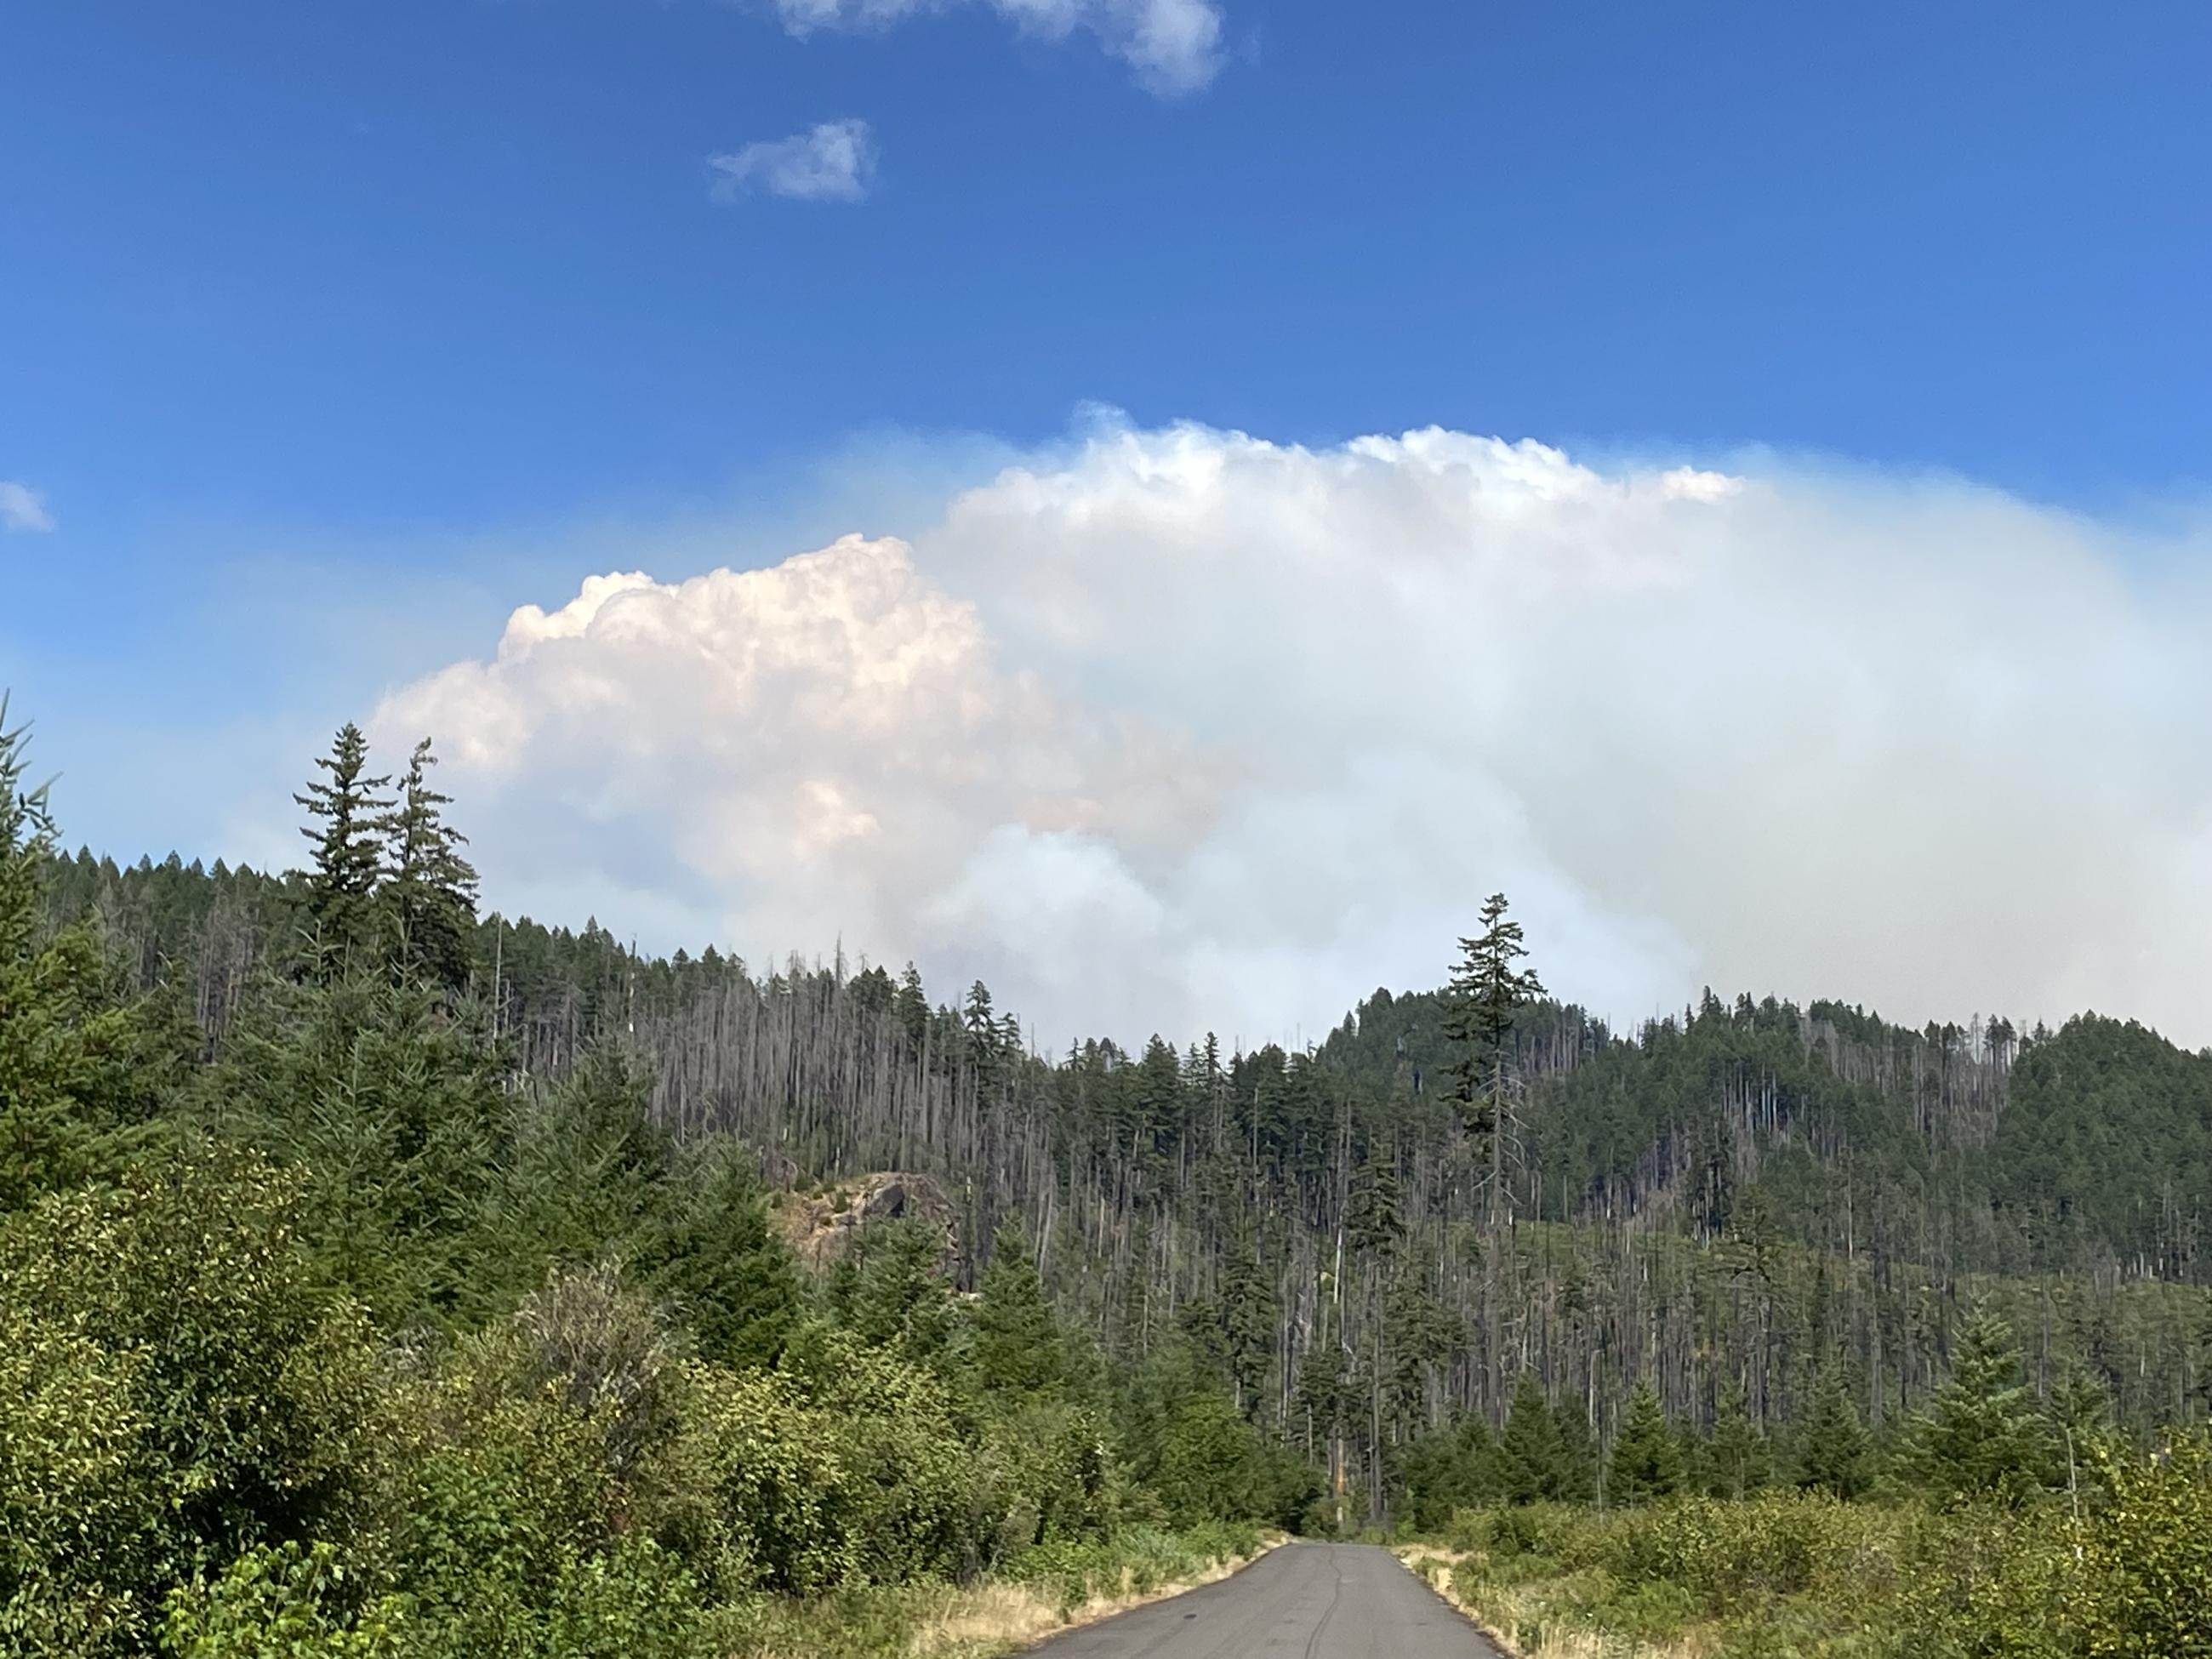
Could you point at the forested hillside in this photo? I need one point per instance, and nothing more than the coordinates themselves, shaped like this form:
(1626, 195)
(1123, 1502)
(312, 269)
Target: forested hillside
(337, 1212)
(1723, 1200)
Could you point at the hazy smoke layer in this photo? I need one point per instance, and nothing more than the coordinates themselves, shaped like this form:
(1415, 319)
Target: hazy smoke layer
(1183, 729)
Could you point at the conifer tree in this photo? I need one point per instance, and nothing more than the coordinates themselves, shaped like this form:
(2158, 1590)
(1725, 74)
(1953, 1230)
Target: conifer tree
(910, 1006)
(980, 1026)
(71, 1075)
(1647, 1462)
(391, 1110)
(1019, 1354)
(429, 895)
(1832, 1447)
(1248, 1312)
(726, 1269)
(1486, 988)
(889, 1290)
(1528, 1453)
(1577, 1482)
(1420, 1335)
(1981, 1435)
(2079, 1412)
(1447, 1471)
(348, 857)
(1376, 1221)
(1318, 1397)
(1737, 1460)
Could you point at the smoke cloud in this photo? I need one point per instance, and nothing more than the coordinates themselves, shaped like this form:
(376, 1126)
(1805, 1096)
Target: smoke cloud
(1181, 730)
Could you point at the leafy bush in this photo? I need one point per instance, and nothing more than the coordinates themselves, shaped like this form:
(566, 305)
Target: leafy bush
(1730, 1555)
(750, 1486)
(283, 1602)
(2148, 1553)
(631, 1602)
(176, 1388)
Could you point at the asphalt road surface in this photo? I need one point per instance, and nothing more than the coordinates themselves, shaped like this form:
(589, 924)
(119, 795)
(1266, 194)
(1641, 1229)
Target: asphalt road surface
(1303, 1601)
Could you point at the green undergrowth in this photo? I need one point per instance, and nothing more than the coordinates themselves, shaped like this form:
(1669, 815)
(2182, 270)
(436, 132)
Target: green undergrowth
(2122, 1569)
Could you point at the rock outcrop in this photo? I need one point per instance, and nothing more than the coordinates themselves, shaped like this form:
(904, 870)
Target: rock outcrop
(821, 1226)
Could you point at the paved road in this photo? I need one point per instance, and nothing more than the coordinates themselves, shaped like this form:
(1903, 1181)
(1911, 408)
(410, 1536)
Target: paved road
(1301, 1601)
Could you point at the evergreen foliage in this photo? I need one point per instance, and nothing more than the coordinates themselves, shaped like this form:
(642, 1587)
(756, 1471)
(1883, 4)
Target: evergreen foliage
(1982, 1436)
(81, 1069)
(1577, 1477)
(1531, 1464)
(429, 895)
(1833, 1453)
(349, 861)
(1018, 1342)
(1646, 1461)
(1738, 1460)
(1486, 990)
(718, 1263)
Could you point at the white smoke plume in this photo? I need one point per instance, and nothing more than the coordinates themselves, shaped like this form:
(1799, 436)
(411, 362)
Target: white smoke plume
(1181, 730)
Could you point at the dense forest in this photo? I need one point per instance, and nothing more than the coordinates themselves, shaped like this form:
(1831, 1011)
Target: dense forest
(427, 1279)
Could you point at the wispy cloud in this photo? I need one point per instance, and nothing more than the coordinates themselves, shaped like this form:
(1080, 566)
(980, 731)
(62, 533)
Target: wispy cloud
(22, 507)
(833, 161)
(1174, 45)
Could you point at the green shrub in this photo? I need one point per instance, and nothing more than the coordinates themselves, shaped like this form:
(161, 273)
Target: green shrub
(1728, 1555)
(1046, 1474)
(175, 1389)
(1142, 1558)
(286, 1601)
(749, 1487)
(2149, 1551)
(1985, 1582)
(854, 1470)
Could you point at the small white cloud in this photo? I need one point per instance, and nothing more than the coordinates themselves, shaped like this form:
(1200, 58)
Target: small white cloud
(834, 161)
(1174, 45)
(22, 507)
(802, 17)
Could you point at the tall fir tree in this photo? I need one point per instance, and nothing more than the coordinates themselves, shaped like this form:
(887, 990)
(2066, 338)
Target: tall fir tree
(1981, 1435)
(1488, 987)
(911, 1007)
(74, 1069)
(428, 896)
(1528, 1460)
(1019, 1354)
(1647, 1460)
(1833, 1453)
(1737, 1462)
(983, 1034)
(1248, 1312)
(347, 832)
(722, 1264)
(2079, 1412)
(889, 1291)
(1576, 1481)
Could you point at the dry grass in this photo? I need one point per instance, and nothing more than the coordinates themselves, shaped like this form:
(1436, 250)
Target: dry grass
(945, 1621)
(1001, 1618)
(1005, 1617)
(1516, 1618)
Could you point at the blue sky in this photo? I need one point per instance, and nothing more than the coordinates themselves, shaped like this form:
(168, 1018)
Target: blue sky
(330, 333)
(446, 262)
